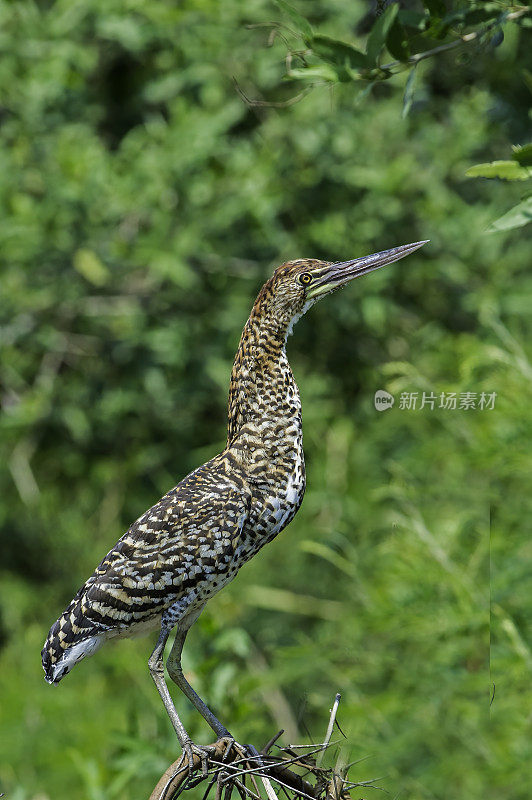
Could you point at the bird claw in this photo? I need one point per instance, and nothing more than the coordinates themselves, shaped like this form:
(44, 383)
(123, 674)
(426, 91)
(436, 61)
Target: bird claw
(229, 742)
(202, 751)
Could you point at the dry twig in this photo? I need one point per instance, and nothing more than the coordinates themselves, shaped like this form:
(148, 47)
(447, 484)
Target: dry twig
(232, 766)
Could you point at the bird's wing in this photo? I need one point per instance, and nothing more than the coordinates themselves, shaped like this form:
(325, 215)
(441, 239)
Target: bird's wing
(187, 541)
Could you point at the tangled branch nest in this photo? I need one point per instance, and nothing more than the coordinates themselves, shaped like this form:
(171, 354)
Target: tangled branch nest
(291, 773)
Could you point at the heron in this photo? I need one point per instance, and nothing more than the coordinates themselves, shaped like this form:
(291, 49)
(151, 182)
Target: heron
(193, 541)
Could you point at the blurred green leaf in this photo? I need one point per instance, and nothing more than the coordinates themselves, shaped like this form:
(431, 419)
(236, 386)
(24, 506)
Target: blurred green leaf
(475, 15)
(292, 602)
(338, 53)
(379, 32)
(412, 19)
(323, 72)
(517, 217)
(436, 8)
(523, 154)
(409, 93)
(301, 24)
(87, 263)
(508, 170)
(328, 554)
(397, 42)
(482, 12)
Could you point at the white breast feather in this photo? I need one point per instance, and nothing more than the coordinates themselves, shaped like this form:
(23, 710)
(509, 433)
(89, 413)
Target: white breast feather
(282, 509)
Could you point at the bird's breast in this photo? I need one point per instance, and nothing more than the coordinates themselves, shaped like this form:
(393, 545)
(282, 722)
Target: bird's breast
(278, 495)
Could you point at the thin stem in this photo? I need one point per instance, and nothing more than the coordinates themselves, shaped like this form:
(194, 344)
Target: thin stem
(287, 785)
(245, 789)
(266, 104)
(267, 747)
(465, 39)
(281, 764)
(330, 728)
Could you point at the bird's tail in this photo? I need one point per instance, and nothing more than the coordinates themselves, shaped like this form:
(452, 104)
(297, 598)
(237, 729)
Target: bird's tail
(70, 639)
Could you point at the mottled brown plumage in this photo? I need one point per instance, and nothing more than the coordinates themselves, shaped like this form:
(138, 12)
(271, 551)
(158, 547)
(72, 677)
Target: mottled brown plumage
(191, 543)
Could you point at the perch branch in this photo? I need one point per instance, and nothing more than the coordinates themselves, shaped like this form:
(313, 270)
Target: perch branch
(293, 773)
(464, 39)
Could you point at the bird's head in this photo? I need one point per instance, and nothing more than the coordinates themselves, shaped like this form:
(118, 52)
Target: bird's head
(297, 285)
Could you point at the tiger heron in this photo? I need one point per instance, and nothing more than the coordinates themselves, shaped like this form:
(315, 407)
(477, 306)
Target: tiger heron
(191, 543)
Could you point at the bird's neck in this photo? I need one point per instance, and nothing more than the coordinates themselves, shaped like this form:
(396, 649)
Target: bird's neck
(262, 385)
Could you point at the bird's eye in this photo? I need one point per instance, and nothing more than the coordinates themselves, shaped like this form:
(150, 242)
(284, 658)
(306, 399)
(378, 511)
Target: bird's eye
(305, 278)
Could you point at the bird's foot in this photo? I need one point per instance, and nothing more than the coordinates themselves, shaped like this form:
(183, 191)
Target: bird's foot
(192, 751)
(228, 742)
(245, 753)
(226, 748)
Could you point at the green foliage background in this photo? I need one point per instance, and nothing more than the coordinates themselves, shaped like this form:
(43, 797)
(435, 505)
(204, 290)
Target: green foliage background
(142, 204)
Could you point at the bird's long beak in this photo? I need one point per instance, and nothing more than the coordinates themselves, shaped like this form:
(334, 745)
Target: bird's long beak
(335, 275)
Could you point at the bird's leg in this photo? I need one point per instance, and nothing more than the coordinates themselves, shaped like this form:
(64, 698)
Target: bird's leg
(156, 667)
(176, 673)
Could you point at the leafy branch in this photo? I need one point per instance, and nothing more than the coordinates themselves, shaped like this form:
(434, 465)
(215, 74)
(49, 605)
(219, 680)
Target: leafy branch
(518, 168)
(408, 35)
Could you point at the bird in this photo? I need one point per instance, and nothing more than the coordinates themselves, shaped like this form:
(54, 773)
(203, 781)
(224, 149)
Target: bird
(193, 541)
